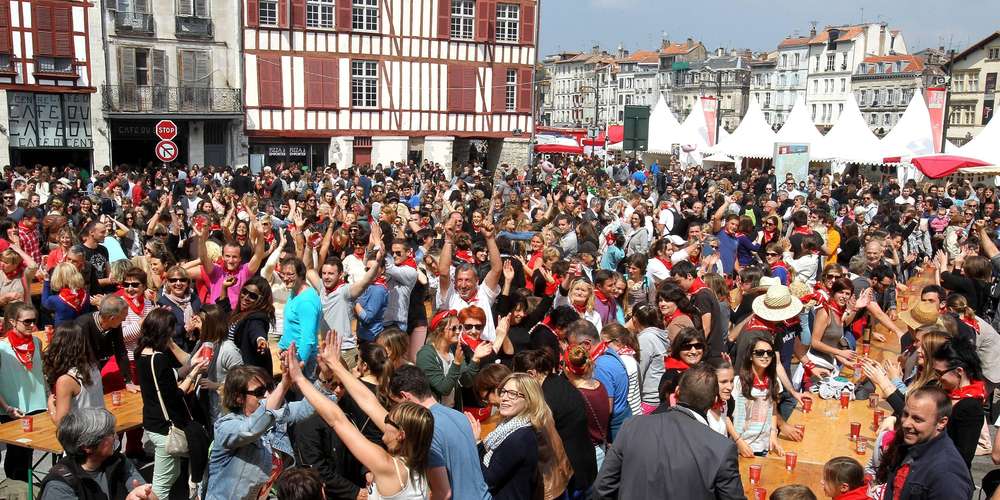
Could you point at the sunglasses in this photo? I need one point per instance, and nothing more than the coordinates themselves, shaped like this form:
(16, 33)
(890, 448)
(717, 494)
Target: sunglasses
(388, 421)
(249, 294)
(763, 353)
(772, 254)
(397, 254)
(472, 327)
(698, 346)
(258, 392)
(941, 373)
(131, 284)
(177, 280)
(27, 322)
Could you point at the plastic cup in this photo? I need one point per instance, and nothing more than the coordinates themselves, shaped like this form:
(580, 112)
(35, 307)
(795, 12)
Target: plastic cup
(206, 350)
(755, 473)
(873, 400)
(855, 430)
(877, 417)
(802, 430)
(116, 398)
(791, 458)
(759, 494)
(862, 447)
(49, 332)
(27, 424)
(807, 404)
(845, 399)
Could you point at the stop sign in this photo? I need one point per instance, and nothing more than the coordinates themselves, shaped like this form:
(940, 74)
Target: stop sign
(166, 130)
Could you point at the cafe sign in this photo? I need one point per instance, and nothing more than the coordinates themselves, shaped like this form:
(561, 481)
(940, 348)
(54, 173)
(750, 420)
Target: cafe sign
(49, 120)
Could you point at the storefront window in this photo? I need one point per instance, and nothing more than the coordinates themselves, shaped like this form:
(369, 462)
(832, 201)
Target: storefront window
(310, 155)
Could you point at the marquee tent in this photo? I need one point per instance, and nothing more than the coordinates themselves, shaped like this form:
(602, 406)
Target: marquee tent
(850, 140)
(800, 129)
(664, 130)
(753, 138)
(912, 135)
(986, 145)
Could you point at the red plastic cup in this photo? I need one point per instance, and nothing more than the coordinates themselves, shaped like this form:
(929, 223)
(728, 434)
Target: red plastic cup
(27, 424)
(315, 239)
(855, 430)
(116, 398)
(862, 447)
(845, 399)
(791, 458)
(200, 221)
(877, 417)
(807, 404)
(802, 430)
(755, 473)
(206, 351)
(866, 348)
(759, 494)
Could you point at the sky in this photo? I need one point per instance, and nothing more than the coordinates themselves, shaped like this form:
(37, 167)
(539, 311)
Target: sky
(759, 25)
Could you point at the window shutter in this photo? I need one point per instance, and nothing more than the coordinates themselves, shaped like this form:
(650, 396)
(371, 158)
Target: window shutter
(201, 8)
(5, 45)
(314, 82)
(44, 40)
(187, 67)
(159, 67)
(525, 87)
(471, 88)
(456, 78)
(185, 8)
(253, 13)
(527, 22)
(203, 66)
(269, 81)
(283, 13)
(299, 13)
(126, 65)
(499, 89)
(63, 30)
(344, 15)
(444, 19)
(486, 13)
(331, 87)
(141, 6)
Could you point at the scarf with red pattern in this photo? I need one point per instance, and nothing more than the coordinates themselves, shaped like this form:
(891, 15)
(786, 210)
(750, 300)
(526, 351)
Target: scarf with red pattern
(24, 347)
(133, 304)
(74, 298)
(761, 383)
(768, 236)
(975, 390)
(802, 230)
(465, 256)
(599, 295)
(970, 319)
(471, 341)
(756, 324)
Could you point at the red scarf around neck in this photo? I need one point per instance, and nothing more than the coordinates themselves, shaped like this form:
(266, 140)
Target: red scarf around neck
(465, 256)
(670, 319)
(835, 308)
(975, 390)
(24, 348)
(335, 286)
(670, 363)
(471, 341)
(768, 236)
(380, 281)
(16, 274)
(599, 295)
(360, 254)
(970, 319)
(74, 298)
(598, 350)
(409, 262)
(802, 230)
(135, 306)
(761, 383)
(581, 309)
(696, 287)
(666, 263)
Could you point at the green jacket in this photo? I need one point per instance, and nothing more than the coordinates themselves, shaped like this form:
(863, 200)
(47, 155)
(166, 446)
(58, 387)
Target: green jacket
(443, 382)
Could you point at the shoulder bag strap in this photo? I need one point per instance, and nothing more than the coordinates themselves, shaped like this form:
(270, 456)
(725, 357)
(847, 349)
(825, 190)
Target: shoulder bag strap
(156, 383)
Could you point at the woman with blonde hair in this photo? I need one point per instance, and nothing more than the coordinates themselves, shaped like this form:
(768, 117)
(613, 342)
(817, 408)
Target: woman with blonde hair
(65, 239)
(65, 293)
(444, 361)
(510, 452)
(577, 292)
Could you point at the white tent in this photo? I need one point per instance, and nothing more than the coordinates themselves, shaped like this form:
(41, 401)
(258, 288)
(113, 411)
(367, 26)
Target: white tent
(753, 138)
(850, 140)
(800, 129)
(694, 130)
(912, 135)
(664, 130)
(986, 145)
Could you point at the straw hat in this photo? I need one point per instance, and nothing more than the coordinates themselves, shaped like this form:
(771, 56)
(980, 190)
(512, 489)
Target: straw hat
(777, 304)
(924, 313)
(769, 281)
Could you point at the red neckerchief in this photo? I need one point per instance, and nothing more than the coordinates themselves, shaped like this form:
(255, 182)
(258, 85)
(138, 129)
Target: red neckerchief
(761, 383)
(380, 281)
(670, 319)
(465, 256)
(859, 493)
(241, 239)
(719, 405)
(899, 480)
(16, 274)
(547, 323)
(550, 288)
(768, 236)
(335, 287)
(971, 321)
(599, 295)
(470, 341)
(780, 264)
(696, 287)
(670, 363)
(756, 324)
(802, 230)
(821, 293)
(74, 298)
(598, 350)
(835, 308)
(694, 258)
(409, 262)
(666, 263)
(580, 309)
(625, 351)
(24, 348)
(975, 390)
(135, 307)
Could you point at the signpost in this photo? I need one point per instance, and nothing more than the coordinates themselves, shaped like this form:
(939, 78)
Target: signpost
(166, 151)
(636, 129)
(166, 130)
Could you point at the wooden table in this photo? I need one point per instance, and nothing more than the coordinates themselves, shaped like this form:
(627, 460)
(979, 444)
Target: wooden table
(43, 437)
(774, 475)
(827, 437)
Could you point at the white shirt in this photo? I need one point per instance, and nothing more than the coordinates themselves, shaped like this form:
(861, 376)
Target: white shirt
(656, 270)
(449, 299)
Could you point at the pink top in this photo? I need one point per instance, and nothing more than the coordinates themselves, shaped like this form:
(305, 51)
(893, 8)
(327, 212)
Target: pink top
(218, 275)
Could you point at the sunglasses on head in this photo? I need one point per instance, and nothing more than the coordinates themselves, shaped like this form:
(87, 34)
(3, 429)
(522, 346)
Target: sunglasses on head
(389, 421)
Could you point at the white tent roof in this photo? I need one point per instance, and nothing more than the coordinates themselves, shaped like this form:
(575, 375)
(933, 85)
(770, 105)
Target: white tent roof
(986, 145)
(800, 129)
(850, 139)
(753, 138)
(664, 130)
(718, 158)
(912, 135)
(694, 130)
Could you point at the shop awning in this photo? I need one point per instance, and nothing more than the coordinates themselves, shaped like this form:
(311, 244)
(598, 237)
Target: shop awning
(938, 166)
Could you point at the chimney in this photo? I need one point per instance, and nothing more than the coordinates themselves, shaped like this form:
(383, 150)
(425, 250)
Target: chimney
(812, 29)
(596, 49)
(721, 51)
(690, 43)
(664, 40)
(622, 53)
(881, 39)
(733, 52)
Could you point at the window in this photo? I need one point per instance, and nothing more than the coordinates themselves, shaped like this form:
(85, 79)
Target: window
(510, 91)
(958, 83)
(887, 119)
(994, 53)
(507, 22)
(53, 64)
(268, 12)
(817, 63)
(814, 112)
(364, 16)
(463, 15)
(830, 61)
(843, 84)
(319, 13)
(54, 30)
(873, 119)
(364, 83)
(973, 82)
(192, 8)
(815, 86)
(767, 117)
(796, 61)
(767, 100)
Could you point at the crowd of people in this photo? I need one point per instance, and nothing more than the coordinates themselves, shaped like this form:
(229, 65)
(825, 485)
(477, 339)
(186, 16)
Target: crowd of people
(566, 330)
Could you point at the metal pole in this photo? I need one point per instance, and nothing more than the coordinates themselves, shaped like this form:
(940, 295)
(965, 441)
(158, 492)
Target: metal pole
(947, 100)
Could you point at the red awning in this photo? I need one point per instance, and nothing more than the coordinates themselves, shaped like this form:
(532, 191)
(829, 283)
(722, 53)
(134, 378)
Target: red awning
(937, 166)
(558, 148)
(616, 133)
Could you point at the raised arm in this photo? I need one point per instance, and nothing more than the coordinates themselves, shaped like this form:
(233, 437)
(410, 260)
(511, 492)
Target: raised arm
(257, 234)
(206, 262)
(444, 263)
(496, 263)
(329, 356)
(717, 216)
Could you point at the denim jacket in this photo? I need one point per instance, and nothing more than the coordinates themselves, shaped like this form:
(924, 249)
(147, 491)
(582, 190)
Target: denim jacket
(240, 462)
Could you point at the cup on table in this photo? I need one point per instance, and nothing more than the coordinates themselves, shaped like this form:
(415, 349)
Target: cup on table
(791, 458)
(807, 404)
(861, 447)
(27, 424)
(759, 493)
(877, 417)
(755, 473)
(116, 398)
(855, 430)
(802, 430)
(873, 400)
(845, 399)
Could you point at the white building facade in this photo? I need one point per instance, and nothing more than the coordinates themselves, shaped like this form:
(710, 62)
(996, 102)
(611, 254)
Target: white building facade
(791, 75)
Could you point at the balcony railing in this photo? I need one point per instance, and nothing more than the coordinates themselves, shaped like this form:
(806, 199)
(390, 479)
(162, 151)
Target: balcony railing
(194, 26)
(133, 22)
(156, 99)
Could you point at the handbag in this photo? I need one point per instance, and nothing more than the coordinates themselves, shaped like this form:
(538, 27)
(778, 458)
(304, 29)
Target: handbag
(177, 444)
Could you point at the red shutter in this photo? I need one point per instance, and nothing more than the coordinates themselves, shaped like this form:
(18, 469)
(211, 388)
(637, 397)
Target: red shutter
(5, 45)
(499, 89)
(470, 90)
(44, 39)
(298, 13)
(456, 79)
(314, 82)
(62, 20)
(331, 87)
(283, 13)
(528, 22)
(525, 90)
(444, 19)
(344, 15)
(253, 13)
(269, 81)
(486, 13)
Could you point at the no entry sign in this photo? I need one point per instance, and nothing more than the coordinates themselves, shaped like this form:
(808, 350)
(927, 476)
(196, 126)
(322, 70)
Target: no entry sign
(166, 130)
(166, 151)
